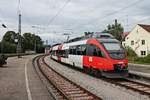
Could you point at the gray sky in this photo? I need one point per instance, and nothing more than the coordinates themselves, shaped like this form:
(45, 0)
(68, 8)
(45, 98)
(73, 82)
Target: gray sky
(75, 17)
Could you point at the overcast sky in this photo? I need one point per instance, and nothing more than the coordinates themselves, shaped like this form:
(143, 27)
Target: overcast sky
(52, 18)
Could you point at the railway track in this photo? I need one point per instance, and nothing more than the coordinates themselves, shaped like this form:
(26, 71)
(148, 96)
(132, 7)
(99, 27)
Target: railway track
(62, 88)
(129, 84)
(139, 87)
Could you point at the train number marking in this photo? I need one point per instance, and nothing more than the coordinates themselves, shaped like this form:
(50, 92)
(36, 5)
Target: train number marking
(90, 59)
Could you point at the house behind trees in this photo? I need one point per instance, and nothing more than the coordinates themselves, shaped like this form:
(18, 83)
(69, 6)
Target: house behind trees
(139, 40)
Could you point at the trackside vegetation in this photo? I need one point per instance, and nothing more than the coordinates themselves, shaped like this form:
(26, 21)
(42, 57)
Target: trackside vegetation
(3, 59)
(133, 58)
(29, 42)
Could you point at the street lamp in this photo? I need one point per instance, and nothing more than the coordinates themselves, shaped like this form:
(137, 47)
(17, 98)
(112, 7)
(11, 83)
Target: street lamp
(19, 38)
(3, 25)
(35, 44)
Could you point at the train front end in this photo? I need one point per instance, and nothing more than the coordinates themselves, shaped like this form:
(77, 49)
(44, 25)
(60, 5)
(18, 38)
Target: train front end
(117, 64)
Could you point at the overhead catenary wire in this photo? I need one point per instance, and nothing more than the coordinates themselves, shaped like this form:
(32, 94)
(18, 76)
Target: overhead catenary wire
(139, 21)
(109, 14)
(19, 6)
(58, 13)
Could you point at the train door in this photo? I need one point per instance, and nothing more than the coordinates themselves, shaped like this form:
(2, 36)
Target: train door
(94, 58)
(76, 56)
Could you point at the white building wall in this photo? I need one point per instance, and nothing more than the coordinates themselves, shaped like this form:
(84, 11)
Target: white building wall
(137, 35)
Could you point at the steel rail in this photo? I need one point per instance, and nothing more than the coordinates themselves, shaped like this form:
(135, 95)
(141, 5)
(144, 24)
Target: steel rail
(132, 85)
(63, 87)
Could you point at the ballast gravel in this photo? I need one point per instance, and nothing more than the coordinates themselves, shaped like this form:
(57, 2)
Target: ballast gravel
(105, 90)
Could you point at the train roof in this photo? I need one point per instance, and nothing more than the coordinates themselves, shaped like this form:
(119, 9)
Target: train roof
(103, 37)
(56, 44)
(107, 40)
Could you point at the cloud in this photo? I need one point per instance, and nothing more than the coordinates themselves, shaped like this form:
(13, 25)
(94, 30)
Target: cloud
(77, 16)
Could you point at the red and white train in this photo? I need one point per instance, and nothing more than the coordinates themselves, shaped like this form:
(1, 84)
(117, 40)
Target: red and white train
(99, 54)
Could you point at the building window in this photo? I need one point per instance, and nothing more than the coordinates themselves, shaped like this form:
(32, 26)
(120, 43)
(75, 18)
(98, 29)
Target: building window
(132, 42)
(137, 31)
(143, 42)
(124, 44)
(143, 53)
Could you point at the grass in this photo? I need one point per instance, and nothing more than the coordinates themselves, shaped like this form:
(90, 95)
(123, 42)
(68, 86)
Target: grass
(133, 58)
(139, 60)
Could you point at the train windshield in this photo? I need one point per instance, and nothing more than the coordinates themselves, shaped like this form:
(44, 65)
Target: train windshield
(115, 50)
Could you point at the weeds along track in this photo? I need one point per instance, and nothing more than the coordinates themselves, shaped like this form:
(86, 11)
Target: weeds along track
(62, 88)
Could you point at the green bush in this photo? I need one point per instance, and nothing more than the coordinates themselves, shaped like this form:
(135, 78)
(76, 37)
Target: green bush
(143, 59)
(130, 52)
(3, 59)
(8, 47)
(133, 58)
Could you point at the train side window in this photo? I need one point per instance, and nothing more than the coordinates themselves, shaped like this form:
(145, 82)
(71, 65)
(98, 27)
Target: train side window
(93, 50)
(56, 53)
(95, 53)
(63, 53)
(90, 50)
(100, 53)
(52, 53)
(74, 50)
(66, 53)
(83, 47)
(60, 53)
(70, 50)
(79, 50)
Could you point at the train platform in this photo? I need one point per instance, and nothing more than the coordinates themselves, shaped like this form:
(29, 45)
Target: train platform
(19, 81)
(140, 70)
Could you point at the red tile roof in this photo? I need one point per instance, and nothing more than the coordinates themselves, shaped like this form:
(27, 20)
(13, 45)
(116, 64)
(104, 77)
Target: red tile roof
(146, 27)
(125, 34)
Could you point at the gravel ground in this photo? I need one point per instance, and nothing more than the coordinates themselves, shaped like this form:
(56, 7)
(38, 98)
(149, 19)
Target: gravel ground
(97, 86)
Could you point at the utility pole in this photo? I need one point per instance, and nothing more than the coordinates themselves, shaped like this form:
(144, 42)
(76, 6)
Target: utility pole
(19, 37)
(46, 43)
(19, 31)
(35, 46)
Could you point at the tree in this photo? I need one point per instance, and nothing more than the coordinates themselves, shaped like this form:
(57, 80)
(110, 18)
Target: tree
(8, 47)
(88, 33)
(116, 30)
(8, 44)
(31, 40)
(9, 36)
(28, 42)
